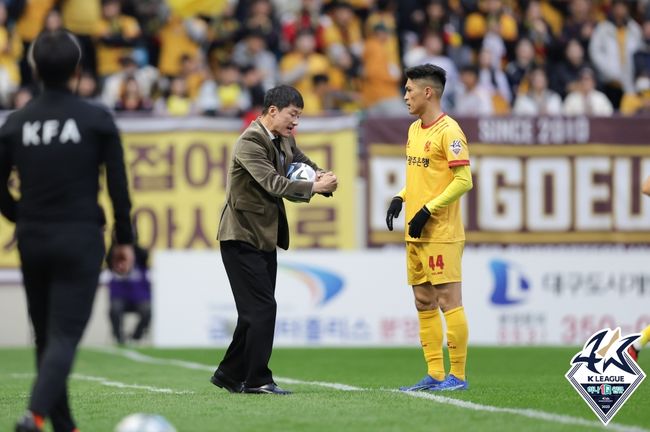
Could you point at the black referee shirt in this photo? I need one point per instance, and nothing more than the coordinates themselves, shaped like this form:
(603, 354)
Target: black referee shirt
(58, 142)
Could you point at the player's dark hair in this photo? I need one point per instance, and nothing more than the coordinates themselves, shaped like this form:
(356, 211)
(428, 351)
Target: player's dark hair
(54, 57)
(282, 97)
(434, 74)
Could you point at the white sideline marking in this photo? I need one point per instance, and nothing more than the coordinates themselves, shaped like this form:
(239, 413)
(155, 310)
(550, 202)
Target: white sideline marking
(109, 383)
(22, 375)
(337, 386)
(142, 358)
(530, 413)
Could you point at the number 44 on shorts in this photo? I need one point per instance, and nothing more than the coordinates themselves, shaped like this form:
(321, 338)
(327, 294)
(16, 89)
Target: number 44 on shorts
(437, 263)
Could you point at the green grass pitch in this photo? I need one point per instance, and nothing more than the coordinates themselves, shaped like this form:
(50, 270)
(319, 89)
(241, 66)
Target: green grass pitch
(511, 389)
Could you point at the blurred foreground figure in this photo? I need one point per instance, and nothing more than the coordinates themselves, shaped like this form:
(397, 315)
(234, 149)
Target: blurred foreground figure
(57, 142)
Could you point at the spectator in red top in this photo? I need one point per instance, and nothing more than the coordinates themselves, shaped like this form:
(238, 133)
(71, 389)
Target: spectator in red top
(307, 17)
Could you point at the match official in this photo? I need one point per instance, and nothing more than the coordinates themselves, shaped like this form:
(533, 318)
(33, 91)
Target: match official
(57, 144)
(437, 174)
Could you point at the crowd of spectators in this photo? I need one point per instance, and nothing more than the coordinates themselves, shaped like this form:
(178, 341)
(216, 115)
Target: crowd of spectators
(218, 57)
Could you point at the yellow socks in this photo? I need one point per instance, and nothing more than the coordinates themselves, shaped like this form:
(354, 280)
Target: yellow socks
(457, 335)
(431, 339)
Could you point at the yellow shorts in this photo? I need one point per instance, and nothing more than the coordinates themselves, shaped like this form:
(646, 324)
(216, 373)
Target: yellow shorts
(436, 263)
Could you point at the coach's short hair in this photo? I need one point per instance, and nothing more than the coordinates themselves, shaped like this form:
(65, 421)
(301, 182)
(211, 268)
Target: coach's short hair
(434, 74)
(281, 97)
(54, 57)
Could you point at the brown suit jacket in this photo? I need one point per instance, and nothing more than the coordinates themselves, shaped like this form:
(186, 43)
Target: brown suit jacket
(254, 210)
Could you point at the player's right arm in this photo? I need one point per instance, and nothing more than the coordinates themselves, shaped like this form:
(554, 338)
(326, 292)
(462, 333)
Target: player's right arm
(395, 206)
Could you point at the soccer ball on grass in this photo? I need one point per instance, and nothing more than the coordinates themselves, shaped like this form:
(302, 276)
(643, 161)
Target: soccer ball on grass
(144, 423)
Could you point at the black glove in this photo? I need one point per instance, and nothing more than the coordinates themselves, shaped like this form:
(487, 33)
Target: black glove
(325, 194)
(393, 211)
(417, 223)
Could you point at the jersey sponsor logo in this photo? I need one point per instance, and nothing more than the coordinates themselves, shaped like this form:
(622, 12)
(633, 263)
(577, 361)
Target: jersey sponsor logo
(37, 133)
(417, 161)
(427, 146)
(456, 147)
(603, 373)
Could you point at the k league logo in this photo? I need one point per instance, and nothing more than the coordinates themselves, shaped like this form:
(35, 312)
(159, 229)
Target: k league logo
(456, 147)
(604, 374)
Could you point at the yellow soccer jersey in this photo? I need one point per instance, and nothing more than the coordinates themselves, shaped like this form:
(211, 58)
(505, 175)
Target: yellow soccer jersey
(431, 151)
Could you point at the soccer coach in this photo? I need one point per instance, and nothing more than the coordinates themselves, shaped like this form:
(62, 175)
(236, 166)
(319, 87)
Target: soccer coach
(253, 224)
(57, 143)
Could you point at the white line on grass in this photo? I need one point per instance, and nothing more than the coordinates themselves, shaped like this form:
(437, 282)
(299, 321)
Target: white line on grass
(337, 386)
(142, 358)
(109, 383)
(530, 413)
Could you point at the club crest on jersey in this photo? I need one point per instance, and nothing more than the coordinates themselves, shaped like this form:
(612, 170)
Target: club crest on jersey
(427, 146)
(456, 147)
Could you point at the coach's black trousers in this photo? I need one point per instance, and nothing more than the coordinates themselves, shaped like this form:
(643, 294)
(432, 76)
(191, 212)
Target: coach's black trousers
(60, 264)
(252, 274)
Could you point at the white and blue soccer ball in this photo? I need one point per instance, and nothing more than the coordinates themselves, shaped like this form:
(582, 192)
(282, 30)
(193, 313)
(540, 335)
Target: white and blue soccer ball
(140, 422)
(299, 171)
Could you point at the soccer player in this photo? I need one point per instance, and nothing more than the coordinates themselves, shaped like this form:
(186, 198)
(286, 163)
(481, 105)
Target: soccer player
(437, 174)
(58, 144)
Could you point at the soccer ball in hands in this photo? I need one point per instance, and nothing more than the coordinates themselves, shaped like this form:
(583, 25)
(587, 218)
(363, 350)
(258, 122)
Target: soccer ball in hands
(299, 171)
(144, 423)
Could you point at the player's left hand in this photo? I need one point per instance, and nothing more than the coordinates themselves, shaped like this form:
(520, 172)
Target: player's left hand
(417, 223)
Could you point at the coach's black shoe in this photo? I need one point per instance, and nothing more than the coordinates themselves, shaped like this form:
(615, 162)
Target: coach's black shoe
(220, 379)
(270, 388)
(27, 424)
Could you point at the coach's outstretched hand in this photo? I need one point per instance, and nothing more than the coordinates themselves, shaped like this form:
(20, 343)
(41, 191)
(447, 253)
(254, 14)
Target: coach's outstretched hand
(417, 223)
(393, 211)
